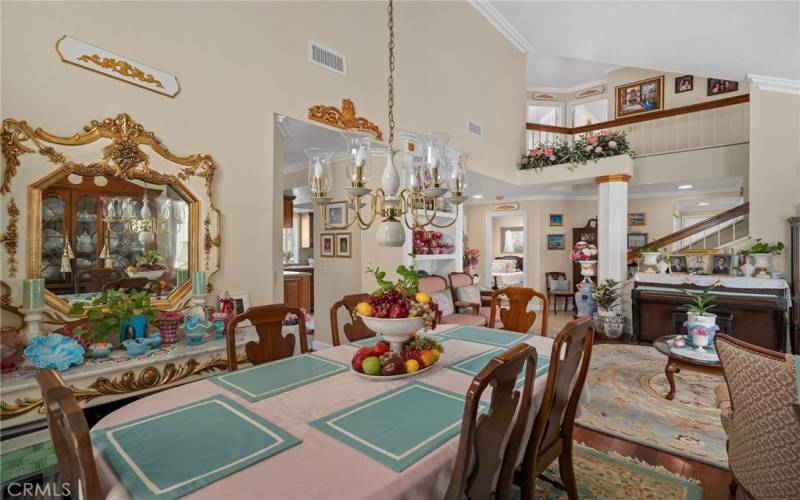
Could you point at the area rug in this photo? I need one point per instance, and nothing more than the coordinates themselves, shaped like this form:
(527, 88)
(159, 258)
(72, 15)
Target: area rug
(601, 475)
(626, 392)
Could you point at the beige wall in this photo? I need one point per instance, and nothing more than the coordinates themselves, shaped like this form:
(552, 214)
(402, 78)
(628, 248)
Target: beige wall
(774, 167)
(624, 76)
(238, 63)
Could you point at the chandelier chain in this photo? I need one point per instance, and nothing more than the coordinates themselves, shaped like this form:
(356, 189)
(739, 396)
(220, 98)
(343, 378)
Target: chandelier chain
(391, 73)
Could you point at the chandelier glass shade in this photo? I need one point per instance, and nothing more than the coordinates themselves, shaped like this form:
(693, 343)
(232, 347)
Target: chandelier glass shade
(433, 180)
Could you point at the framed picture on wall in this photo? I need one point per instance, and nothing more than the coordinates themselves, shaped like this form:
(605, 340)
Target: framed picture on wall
(637, 219)
(512, 239)
(556, 219)
(684, 83)
(335, 214)
(678, 264)
(644, 96)
(327, 247)
(636, 240)
(716, 86)
(555, 242)
(343, 244)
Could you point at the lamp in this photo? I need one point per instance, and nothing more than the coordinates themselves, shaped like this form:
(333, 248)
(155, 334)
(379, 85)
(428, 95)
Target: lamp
(427, 181)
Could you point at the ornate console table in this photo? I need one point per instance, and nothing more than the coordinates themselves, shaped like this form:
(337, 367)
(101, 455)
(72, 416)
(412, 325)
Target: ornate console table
(759, 307)
(100, 381)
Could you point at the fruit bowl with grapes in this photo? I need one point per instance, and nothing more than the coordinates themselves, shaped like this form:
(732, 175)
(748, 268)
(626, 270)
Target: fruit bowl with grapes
(378, 362)
(397, 310)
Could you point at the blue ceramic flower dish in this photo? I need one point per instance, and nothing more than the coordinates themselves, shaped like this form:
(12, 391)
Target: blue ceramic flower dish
(136, 347)
(54, 351)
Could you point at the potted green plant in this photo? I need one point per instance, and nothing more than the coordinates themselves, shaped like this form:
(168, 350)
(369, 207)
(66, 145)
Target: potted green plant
(127, 312)
(762, 253)
(699, 310)
(148, 265)
(650, 253)
(606, 295)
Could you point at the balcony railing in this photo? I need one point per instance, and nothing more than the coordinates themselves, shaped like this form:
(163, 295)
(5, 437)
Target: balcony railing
(720, 122)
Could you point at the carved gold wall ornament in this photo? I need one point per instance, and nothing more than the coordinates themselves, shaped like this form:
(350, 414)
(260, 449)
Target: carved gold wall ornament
(149, 378)
(121, 67)
(344, 118)
(9, 238)
(116, 66)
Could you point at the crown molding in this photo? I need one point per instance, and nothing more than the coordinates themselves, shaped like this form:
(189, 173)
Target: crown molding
(783, 85)
(593, 196)
(501, 24)
(569, 90)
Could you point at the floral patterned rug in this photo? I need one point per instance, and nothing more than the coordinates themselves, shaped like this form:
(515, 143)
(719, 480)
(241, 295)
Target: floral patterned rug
(606, 476)
(626, 391)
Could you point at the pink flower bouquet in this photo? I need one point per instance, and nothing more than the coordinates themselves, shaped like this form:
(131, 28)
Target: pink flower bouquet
(582, 252)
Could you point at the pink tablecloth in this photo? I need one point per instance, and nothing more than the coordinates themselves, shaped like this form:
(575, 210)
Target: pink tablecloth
(320, 467)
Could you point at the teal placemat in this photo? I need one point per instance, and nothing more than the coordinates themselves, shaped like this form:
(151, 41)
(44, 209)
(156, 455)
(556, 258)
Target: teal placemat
(471, 366)
(175, 452)
(262, 381)
(398, 427)
(491, 336)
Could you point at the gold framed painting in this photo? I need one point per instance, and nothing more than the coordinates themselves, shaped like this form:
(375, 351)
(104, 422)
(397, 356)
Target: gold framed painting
(644, 96)
(327, 246)
(344, 245)
(637, 218)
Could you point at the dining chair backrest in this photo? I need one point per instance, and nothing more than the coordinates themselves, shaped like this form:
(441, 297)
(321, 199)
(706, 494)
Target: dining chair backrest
(552, 429)
(69, 432)
(516, 317)
(271, 344)
(477, 472)
(355, 329)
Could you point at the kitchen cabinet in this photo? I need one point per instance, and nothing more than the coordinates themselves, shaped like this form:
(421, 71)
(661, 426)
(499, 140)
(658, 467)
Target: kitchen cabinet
(288, 212)
(298, 289)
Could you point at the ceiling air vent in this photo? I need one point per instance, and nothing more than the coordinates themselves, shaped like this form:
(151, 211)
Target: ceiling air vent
(327, 58)
(474, 128)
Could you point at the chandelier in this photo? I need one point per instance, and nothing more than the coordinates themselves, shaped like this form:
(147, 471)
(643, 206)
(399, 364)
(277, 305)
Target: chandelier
(433, 180)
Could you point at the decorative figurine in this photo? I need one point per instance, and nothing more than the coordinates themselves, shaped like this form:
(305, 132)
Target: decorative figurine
(220, 322)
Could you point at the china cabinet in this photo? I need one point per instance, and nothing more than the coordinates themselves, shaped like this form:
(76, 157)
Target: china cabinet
(73, 212)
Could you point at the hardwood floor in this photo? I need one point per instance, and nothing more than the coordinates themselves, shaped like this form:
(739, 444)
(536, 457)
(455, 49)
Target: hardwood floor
(713, 480)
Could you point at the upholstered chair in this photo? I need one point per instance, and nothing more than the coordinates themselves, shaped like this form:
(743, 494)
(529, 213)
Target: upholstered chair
(762, 419)
(558, 288)
(468, 295)
(354, 329)
(436, 287)
(516, 317)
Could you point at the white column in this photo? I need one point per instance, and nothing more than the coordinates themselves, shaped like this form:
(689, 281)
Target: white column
(612, 227)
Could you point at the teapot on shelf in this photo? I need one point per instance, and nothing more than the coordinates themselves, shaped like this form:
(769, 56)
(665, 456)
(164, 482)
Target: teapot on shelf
(85, 242)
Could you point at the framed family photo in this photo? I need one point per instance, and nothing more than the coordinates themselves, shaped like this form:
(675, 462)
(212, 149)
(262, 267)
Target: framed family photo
(343, 244)
(241, 303)
(715, 86)
(644, 96)
(636, 240)
(684, 83)
(327, 247)
(678, 264)
(556, 219)
(721, 265)
(637, 219)
(555, 242)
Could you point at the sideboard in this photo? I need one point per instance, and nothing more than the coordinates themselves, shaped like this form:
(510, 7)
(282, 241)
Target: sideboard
(758, 310)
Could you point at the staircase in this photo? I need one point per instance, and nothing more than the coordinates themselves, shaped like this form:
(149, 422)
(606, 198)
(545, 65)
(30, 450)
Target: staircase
(713, 234)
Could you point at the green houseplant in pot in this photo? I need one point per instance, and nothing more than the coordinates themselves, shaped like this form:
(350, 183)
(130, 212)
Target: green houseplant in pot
(762, 253)
(607, 296)
(129, 313)
(699, 310)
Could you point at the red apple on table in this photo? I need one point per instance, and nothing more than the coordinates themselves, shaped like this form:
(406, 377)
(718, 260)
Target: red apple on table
(358, 359)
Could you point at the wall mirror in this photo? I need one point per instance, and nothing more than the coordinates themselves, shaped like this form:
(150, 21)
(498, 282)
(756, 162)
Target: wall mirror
(109, 207)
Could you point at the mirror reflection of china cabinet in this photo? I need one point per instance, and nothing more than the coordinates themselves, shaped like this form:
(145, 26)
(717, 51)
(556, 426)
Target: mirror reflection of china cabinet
(75, 210)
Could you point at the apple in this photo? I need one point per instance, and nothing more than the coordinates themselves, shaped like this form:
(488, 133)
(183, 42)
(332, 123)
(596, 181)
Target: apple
(379, 349)
(358, 360)
(395, 366)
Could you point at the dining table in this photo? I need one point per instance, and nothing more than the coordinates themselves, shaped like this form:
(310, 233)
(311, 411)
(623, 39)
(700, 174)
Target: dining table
(332, 434)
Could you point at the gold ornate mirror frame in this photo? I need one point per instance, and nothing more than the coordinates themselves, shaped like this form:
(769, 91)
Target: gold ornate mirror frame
(124, 159)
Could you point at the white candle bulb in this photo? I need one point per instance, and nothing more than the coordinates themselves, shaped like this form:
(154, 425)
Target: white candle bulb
(318, 169)
(361, 156)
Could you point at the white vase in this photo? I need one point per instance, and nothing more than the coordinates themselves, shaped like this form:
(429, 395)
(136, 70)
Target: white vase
(762, 261)
(651, 261)
(747, 269)
(663, 267)
(706, 320)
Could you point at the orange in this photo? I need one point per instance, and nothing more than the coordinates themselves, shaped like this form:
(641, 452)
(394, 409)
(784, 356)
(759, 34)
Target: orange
(427, 357)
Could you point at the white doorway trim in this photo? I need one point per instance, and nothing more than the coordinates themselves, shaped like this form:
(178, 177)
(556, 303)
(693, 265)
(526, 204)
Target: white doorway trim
(489, 244)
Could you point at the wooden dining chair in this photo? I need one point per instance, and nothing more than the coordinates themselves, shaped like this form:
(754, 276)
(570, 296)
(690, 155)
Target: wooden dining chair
(551, 436)
(271, 344)
(478, 473)
(516, 317)
(355, 329)
(70, 434)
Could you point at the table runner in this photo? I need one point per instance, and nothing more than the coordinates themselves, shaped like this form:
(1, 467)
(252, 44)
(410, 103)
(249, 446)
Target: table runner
(491, 336)
(399, 427)
(472, 366)
(175, 452)
(268, 379)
